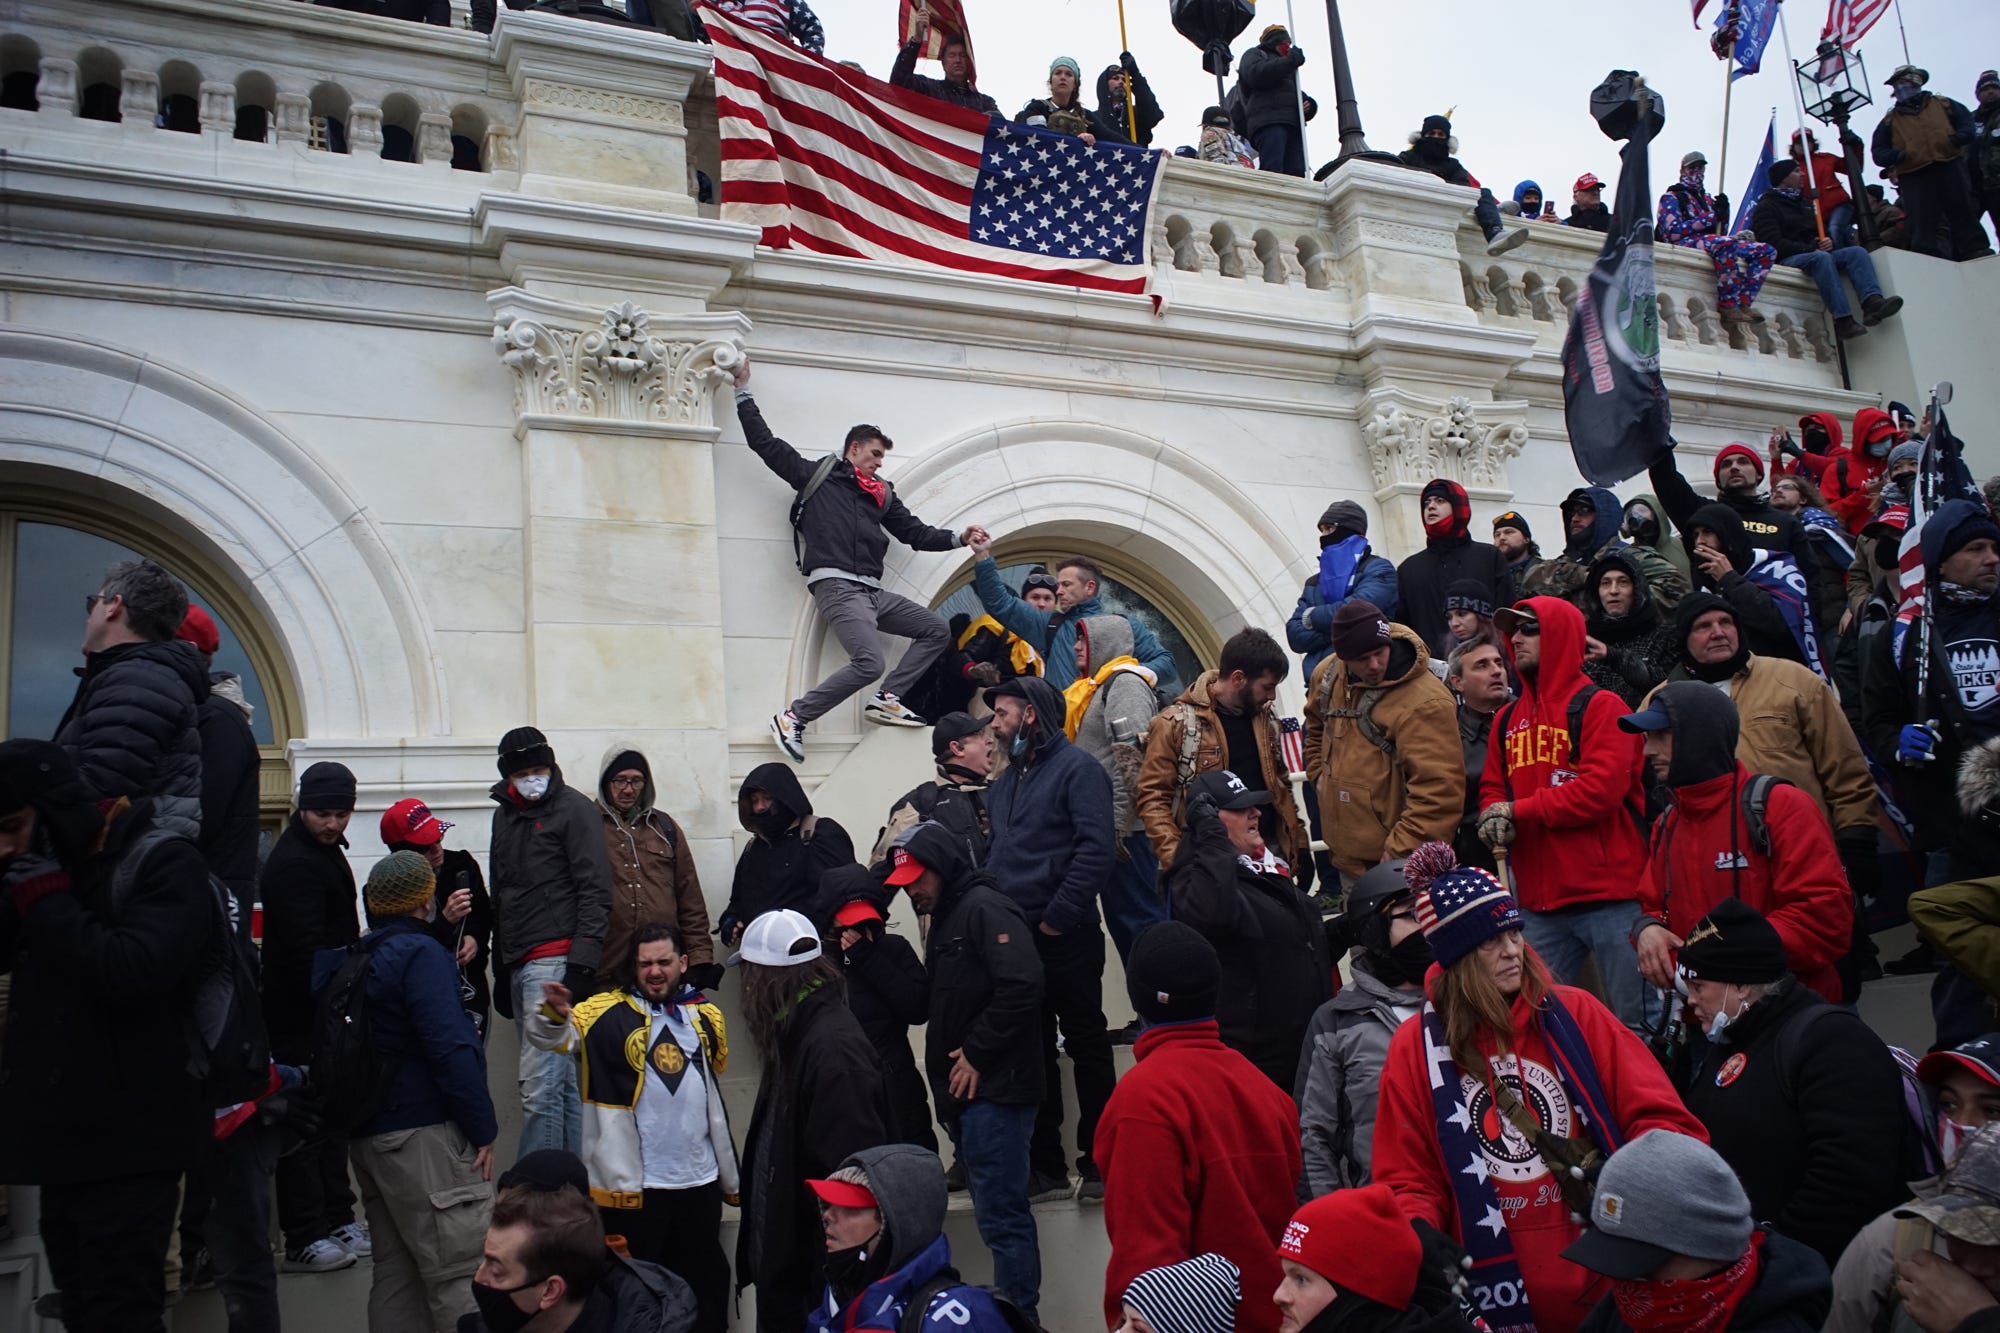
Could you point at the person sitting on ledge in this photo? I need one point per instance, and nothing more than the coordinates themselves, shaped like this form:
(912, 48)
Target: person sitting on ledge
(1783, 220)
(1691, 217)
(1431, 150)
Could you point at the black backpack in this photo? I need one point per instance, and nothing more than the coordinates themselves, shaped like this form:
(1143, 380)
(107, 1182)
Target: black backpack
(229, 1051)
(917, 1311)
(350, 1073)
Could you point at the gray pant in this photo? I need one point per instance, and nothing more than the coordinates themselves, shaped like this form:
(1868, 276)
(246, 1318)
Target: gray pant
(427, 1216)
(857, 614)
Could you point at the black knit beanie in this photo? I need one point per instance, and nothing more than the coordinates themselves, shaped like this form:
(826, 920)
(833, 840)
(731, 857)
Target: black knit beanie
(1173, 974)
(524, 747)
(327, 786)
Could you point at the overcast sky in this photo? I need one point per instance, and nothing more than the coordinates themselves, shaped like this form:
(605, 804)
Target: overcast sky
(1519, 73)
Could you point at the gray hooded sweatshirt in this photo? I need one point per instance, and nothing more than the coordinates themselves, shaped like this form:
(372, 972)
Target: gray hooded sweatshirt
(1113, 729)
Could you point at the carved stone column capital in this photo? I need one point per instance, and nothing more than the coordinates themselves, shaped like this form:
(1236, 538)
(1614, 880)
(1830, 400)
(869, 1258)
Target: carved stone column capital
(1410, 444)
(621, 367)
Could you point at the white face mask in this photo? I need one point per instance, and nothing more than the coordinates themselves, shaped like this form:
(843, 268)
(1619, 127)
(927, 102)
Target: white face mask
(1951, 1135)
(533, 787)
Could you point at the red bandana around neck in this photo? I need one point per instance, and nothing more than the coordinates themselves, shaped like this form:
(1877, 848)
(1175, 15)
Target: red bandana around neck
(873, 487)
(1693, 1305)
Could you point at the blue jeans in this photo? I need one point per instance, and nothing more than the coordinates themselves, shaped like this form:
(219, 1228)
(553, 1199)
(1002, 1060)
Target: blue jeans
(1279, 148)
(1132, 897)
(1487, 213)
(992, 1142)
(551, 1106)
(1604, 931)
(1840, 226)
(1824, 267)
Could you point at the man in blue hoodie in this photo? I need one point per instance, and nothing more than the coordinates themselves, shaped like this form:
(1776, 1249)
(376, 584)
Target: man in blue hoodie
(1052, 853)
(1053, 633)
(1348, 568)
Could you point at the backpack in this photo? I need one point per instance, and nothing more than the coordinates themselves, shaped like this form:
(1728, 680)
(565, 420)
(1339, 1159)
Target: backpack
(229, 1050)
(349, 1072)
(1919, 1146)
(1752, 803)
(821, 471)
(1578, 702)
(917, 1312)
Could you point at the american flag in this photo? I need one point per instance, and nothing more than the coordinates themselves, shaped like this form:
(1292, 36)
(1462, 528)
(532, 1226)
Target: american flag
(1700, 5)
(1292, 746)
(826, 159)
(1846, 20)
(947, 20)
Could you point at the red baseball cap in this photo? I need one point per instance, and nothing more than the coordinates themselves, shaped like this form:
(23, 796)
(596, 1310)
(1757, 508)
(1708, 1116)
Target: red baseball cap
(198, 628)
(1979, 1057)
(854, 913)
(842, 1194)
(1588, 181)
(410, 820)
(907, 868)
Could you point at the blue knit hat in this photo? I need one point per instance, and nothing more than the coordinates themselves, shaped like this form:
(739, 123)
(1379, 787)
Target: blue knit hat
(1462, 909)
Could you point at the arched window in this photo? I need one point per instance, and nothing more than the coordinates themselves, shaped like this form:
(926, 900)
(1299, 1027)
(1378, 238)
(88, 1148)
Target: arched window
(1123, 589)
(53, 553)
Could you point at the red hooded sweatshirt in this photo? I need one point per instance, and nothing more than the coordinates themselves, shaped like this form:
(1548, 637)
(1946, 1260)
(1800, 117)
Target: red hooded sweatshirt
(1703, 853)
(1845, 481)
(1810, 464)
(1575, 839)
(1199, 1154)
(1407, 1156)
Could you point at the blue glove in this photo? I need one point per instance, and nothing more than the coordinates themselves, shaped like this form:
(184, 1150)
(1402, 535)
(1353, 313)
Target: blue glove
(1916, 743)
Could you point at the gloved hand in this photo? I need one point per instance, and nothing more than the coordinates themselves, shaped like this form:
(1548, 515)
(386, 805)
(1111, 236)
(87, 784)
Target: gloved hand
(580, 982)
(1202, 813)
(503, 988)
(1917, 743)
(1856, 847)
(1125, 62)
(705, 976)
(35, 873)
(1496, 825)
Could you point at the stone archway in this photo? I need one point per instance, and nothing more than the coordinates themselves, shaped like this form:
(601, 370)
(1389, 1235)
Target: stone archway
(133, 430)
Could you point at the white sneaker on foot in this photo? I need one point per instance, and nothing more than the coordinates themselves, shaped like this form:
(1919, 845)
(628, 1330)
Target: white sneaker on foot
(1506, 240)
(354, 1239)
(888, 710)
(790, 734)
(322, 1256)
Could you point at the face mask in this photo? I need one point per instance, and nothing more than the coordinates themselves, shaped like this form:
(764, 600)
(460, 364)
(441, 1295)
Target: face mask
(1432, 150)
(533, 787)
(1722, 1022)
(1905, 93)
(772, 822)
(846, 1269)
(497, 1308)
(1019, 745)
(1888, 551)
(1411, 960)
(1881, 448)
(1951, 1137)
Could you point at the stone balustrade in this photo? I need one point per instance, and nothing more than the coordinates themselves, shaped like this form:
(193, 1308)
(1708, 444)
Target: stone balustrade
(1225, 222)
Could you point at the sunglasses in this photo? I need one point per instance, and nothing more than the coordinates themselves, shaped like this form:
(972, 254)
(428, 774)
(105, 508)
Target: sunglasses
(1529, 628)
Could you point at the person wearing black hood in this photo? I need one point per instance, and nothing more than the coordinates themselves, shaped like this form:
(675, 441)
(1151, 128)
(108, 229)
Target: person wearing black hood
(790, 848)
(105, 917)
(1052, 813)
(1449, 555)
(1739, 484)
(1631, 647)
(1146, 111)
(887, 991)
(1594, 522)
(1431, 149)
(133, 728)
(1723, 558)
(551, 894)
(309, 901)
(883, 1213)
(1347, 1042)
(982, 1041)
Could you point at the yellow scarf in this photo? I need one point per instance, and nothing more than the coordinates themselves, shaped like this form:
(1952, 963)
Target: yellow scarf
(1022, 657)
(1080, 692)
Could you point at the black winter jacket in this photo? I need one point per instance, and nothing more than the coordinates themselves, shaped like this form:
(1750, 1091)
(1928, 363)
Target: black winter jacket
(1793, 1295)
(1475, 732)
(783, 870)
(1767, 527)
(477, 927)
(887, 991)
(904, 75)
(1821, 1145)
(1276, 967)
(1758, 619)
(1642, 647)
(132, 730)
(1145, 108)
(632, 1296)
(551, 874)
(1423, 577)
(842, 527)
(986, 995)
(309, 905)
(1783, 220)
(93, 1077)
(819, 1102)
(230, 767)
(1052, 812)
(1589, 219)
(1270, 85)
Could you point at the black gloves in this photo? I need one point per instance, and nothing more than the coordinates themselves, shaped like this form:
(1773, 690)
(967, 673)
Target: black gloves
(705, 976)
(580, 982)
(1202, 813)
(1857, 857)
(1125, 62)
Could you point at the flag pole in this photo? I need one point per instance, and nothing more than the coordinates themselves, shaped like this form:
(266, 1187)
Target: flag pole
(1805, 141)
(1903, 31)
(1298, 86)
(1728, 91)
(1125, 44)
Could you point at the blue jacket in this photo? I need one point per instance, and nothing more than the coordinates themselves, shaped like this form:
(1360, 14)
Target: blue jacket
(415, 1015)
(1310, 630)
(1053, 633)
(880, 1306)
(1051, 813)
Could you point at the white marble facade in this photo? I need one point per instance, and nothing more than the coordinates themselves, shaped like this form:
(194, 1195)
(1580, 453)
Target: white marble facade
(462, 435)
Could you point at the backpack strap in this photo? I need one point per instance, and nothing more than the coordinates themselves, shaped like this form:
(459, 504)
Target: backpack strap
(1578, 702)
(1190, 752)
(821, 471)
(806, 827)
(1756, 799)
(925, 1296)
(1498, 730)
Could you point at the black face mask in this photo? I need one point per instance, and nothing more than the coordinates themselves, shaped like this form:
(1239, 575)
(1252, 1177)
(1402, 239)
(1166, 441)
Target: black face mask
(850, 1271)
(771, 825)
(1407, 963)
(497, 1308)
(1888, 552)
(1433, 150)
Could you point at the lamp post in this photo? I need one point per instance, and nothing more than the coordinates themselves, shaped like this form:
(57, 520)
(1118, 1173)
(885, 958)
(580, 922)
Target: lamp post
(1347, 110)
(1833, 85)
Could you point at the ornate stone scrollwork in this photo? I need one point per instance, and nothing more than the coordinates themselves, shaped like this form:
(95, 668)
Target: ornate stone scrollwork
(1405, 448)
(629, 366)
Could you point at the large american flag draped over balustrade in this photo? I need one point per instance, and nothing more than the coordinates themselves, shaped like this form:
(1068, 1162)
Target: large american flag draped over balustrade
(826, 159)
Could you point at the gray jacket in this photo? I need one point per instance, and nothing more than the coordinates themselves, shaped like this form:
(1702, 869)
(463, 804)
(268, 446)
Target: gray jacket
(1113, 729)
(551, 875)
(1340, 1070)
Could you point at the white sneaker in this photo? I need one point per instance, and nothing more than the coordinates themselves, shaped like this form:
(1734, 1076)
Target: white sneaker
(322, 1256)
(790, 734)
(1506, 240)
(354, 1239)
(888, 710)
